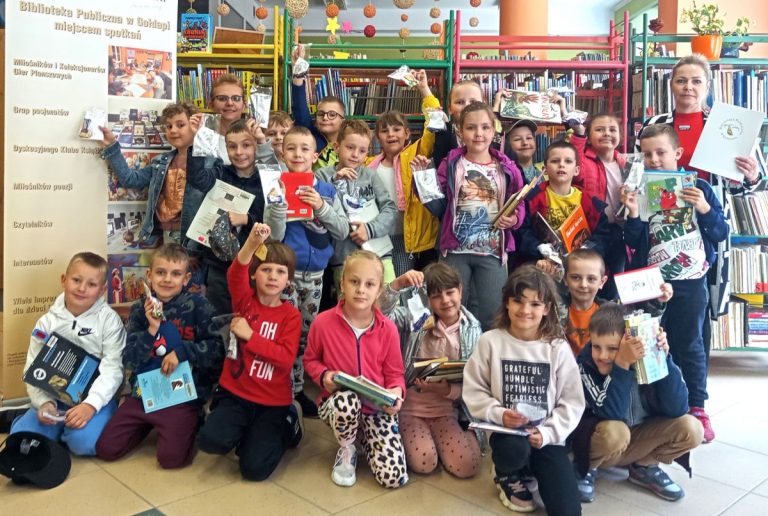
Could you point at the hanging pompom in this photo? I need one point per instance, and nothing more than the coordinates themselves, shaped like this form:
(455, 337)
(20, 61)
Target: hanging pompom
(436, 28)
(404, 33)
(474, 3)
(332, 39)
(369, 11)
(404, 17)
(474, 22)
(434, 12)
(404, 4)
(369, 31)
(261, 28)
(331, 10)
(262, 13)
(223, 9)
(297, 8)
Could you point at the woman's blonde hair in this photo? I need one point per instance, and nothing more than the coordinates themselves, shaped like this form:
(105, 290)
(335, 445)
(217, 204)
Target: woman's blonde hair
(695, 60)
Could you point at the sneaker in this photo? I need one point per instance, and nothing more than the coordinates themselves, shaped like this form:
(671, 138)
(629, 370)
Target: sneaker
(586, 486)
(307, 405)
(654, 478)
(296, 421)
(514, 494)
(526, 476)
(698, 413)
(9, 414)
(343, 473)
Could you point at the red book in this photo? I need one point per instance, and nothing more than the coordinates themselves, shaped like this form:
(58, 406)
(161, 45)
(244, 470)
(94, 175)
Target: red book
(293, 182)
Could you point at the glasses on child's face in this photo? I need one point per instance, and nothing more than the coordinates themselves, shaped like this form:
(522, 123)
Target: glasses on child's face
(330, 115)
(227, 98)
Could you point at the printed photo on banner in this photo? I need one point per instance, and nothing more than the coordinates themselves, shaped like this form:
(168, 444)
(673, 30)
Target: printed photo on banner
(137, 124)
(136, 160)
(124, 220)
(137, 72)
(124, 282)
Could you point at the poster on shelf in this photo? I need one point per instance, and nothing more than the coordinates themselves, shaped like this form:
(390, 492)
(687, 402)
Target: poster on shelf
(62, 61)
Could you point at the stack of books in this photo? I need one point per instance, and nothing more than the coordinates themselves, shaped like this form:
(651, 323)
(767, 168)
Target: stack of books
(438, 369)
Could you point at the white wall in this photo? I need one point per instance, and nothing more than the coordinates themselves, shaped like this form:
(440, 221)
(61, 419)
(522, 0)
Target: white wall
(579, 17)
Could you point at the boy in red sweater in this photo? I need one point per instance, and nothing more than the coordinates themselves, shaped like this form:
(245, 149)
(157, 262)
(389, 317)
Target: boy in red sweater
(253, 409)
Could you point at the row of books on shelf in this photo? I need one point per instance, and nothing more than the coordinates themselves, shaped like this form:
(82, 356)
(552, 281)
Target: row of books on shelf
(744, 326)
(194, 84)
(750, 213)
(749, 268)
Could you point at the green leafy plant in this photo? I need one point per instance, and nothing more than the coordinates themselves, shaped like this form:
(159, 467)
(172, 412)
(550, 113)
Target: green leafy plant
(709, 19)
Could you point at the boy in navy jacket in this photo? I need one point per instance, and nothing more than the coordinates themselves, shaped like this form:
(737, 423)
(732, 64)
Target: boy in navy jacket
(626, 424)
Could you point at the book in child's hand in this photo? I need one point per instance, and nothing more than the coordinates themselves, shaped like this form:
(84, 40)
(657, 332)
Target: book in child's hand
(653, 366)
(530, 105)
(365, 387)
(295, 182)
(663, 189)
(63, 369)
(451, 370)
(639, 284)
(490, 427)
(159, 391)
(574, 231)
(93, 119)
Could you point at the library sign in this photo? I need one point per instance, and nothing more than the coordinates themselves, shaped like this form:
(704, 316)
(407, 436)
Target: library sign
(71, 67)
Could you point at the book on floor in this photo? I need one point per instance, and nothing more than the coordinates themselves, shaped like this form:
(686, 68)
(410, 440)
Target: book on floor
(365, 387)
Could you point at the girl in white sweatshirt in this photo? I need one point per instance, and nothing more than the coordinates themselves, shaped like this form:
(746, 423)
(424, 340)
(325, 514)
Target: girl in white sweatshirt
(522, 375)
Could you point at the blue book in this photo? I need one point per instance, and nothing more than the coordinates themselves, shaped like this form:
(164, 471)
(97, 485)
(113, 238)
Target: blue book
(159, 391)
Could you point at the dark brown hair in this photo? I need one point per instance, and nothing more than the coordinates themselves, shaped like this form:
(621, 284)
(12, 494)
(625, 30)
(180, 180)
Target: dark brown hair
(654, 130)
(598, 116)
(391, 118)
(440, 276)
(608, 320)
(528, 277)
(277, 253)
(585, 254)
(239, 126)
(560, 144)
(178, 108)
(473, 107)
(91, 260)
(172, 252)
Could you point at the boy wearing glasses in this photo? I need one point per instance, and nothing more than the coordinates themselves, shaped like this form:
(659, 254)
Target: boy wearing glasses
(328, 119)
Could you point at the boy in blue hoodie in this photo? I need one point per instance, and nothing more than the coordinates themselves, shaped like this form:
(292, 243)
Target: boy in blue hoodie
(183, 332)
(311, 240)
(626, 424)
(683, 243)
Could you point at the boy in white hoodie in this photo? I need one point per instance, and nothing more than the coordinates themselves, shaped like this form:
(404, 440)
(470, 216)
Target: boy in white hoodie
(80, 315)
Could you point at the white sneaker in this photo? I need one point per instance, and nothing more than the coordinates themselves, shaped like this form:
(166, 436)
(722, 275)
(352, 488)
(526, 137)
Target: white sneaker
(344, 468)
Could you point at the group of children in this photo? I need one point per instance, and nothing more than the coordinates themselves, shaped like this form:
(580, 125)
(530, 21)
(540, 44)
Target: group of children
(566, 355)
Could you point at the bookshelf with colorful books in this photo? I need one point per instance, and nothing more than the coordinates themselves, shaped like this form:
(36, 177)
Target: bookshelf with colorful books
(257, 64)
(343, 69)
(596, 74)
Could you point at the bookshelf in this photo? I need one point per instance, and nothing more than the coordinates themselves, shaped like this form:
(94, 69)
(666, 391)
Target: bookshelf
(597, 74)
(259, 63)
(744, 82)
(363, 83)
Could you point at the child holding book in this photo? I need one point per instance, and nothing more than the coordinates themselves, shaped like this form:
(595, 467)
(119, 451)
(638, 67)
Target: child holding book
(683, 243)
(311, 240)
(361, 191)
(429, 417)
(80, 315)
(328, 117)
(171, 202)
(626, 424)
(242, 173)
(414, 232)
(253, 410)
(476, 181)
(182, 330)
(357, 339)
(523, 376)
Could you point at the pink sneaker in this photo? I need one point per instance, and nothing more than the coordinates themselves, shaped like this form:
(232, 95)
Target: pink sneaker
(698, 413)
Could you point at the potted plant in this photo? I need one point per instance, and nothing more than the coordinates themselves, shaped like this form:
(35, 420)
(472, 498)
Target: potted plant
(742, 29)
(708, 22)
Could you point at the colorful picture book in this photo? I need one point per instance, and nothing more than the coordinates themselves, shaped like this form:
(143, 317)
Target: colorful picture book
(530, 105)
(571, 235)
(196, 33)
(365, 387)
(653, 366)
(660, 191)
(451, 370)
(63, 369)
(294, 182)
(159, 391)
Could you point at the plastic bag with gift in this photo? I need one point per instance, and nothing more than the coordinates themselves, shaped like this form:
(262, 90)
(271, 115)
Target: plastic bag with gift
(426, 183)
(206, 142)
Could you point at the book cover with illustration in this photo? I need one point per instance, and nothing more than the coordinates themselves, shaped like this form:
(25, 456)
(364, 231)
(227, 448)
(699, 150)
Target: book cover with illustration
(574, 231)
(653, 366)
(663, 188)
(530, 105)
(196, 33)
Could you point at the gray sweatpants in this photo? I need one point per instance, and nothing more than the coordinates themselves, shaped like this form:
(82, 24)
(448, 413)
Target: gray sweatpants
(483, 278)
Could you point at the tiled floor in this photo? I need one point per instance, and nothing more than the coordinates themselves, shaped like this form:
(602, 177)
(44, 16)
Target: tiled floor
(731, 475)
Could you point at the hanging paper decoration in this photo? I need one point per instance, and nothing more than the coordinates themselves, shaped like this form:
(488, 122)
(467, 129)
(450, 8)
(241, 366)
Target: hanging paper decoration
(474, 22)
(369, 31)
(332, 26)
(404, 17)
(434, 12)
(346, 27)
(369, 10)
(261, 28)
(436, 28)
(474, 3)
(262, 13)
(297, 8)
(332, 39)
(404, 4)
(404, 33)
(223, 9)
(331, 10)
